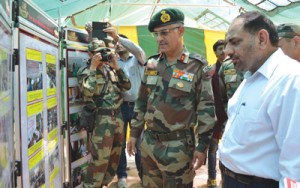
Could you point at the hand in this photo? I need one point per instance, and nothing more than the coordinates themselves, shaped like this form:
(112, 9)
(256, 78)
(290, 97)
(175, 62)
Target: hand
(96, 61)
(198, 160)
(131, 150)
(88, 27)
(113, 63)
(111, 31)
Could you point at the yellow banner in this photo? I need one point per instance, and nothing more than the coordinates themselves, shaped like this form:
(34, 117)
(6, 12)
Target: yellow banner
(34, 95)
(50, 59)
(34, 108)
(33, 55)
(51, 103)
(54, 173)
(210, 37)
(51, 91)
(53, 133)
(35, 147)
(130, 32)
(52, 144)
(36, 159)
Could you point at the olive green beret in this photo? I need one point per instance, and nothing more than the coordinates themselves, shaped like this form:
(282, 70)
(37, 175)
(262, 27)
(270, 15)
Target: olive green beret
(165, 17)
(288, 30)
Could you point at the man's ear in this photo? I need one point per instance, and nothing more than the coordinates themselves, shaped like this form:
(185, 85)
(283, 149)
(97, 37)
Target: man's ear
(263, 38)
(296, 40)
(181, 29)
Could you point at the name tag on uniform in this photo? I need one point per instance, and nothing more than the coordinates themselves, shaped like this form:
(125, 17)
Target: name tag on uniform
(229, 72)
(151, 72)
(182, 75)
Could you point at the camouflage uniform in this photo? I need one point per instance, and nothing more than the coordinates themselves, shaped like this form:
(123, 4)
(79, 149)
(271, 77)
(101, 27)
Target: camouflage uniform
(230, 78)
(219, 93)
(103, 88)
(172, 101)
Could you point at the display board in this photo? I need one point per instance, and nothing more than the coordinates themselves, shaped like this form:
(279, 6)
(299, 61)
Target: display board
(39, 98)
(76, 56)
(39, 111)
(6, 100)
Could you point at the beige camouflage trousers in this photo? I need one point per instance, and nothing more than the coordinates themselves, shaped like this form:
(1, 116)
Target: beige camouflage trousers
(166, 164)
(106, 145)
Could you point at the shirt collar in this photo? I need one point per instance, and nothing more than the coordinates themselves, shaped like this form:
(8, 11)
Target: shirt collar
(269, 66)
(129, 57)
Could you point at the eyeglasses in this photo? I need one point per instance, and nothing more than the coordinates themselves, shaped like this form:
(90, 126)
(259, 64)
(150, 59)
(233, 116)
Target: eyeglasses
(164, 32)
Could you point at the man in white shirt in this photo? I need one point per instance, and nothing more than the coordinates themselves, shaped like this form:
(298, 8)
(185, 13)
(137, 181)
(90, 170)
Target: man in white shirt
(260, 145)
(131, 60)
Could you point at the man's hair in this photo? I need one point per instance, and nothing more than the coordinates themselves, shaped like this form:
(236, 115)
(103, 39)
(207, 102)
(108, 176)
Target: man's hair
(218, 43)
(255, 21)
(123, 36)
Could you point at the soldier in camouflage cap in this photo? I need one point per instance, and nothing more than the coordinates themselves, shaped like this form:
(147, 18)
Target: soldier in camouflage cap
(289, 40)
(95, 45)
(101, 84)
(173, 100)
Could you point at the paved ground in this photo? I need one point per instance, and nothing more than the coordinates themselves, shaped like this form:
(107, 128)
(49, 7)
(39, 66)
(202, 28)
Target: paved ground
(133, 180)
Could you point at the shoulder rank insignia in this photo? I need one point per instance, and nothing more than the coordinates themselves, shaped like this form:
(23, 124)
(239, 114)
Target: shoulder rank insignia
(182, 57)
(182, 75)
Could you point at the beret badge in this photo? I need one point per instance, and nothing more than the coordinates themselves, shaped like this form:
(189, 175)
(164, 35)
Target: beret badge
(165, 17)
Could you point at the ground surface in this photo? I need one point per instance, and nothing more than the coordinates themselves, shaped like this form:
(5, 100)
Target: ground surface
(133, 180)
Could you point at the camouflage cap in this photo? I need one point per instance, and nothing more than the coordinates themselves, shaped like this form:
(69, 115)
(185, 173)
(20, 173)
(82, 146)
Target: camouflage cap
(166, 17)
(96, 45)
(288, 30)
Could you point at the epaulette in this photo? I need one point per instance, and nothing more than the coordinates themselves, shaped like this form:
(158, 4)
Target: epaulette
(199, 58)
(152, 61)
(154, 56)
(208, 68)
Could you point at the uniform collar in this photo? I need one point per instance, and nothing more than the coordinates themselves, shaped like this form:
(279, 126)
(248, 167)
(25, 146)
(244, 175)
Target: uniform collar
(183, 56)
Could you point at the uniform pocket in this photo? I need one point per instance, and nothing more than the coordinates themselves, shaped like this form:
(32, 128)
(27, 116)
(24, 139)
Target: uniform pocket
(180, 85)
(151, 85)
(151, 80)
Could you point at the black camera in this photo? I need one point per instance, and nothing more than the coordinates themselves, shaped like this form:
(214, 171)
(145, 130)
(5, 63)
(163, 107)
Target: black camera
(106, 54)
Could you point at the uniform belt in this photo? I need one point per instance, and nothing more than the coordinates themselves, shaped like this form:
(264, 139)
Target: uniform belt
(109, 112)
(128, 103)
(246, 179)
(175, 135)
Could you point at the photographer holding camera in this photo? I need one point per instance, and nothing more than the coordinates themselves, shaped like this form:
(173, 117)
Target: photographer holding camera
(101, 83)
(132, 61)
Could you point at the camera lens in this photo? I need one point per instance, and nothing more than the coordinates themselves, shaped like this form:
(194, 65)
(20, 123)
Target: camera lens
(106, 57)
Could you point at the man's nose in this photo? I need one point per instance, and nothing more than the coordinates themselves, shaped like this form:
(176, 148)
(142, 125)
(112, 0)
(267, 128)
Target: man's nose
(228, 50)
